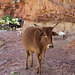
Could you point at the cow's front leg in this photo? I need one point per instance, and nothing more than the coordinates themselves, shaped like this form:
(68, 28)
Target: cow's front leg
(39, 64)
(27, 59)
(31, 60)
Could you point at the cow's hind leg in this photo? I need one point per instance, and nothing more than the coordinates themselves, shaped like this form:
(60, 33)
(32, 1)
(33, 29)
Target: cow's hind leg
(27, 59)
(39, 64)
(31, 59)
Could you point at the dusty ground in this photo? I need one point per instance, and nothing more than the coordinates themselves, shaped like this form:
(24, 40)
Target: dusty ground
(58, 61)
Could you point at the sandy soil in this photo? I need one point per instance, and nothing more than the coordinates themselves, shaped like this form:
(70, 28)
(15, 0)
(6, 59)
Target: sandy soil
(58, 61)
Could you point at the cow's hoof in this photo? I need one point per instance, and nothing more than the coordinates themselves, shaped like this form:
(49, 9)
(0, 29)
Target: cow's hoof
(37, 72)
(26, 68)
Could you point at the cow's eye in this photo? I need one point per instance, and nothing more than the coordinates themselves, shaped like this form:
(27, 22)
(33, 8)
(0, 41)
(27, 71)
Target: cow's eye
(45, 35)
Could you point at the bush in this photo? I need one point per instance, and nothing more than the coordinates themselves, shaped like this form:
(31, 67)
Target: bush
(8, 19)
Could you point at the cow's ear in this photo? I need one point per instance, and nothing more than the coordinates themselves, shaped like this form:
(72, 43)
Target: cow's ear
(54, 33)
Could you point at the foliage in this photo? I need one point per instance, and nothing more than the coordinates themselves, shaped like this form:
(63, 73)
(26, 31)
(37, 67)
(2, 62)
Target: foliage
(15, 21)
(8, 19)
(2, 21)
(12, 73)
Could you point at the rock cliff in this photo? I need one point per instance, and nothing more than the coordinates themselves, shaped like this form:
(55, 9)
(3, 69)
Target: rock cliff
(39, 10)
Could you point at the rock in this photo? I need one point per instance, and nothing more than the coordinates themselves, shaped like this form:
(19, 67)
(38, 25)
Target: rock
(40, 10)
(61, 33)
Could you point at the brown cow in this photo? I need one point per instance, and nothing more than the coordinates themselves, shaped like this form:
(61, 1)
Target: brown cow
(37, 40)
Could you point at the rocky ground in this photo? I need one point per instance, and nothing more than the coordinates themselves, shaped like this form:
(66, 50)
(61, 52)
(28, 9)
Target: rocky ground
(58, 61)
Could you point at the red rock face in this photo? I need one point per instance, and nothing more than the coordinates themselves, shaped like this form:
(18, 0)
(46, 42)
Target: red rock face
(1, 12)
(40, 10)
(6, 7)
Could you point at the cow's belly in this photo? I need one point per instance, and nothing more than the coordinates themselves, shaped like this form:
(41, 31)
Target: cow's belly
(30, 48)
(29, 45)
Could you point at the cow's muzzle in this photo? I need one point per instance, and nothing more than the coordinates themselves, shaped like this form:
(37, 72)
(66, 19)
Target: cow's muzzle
(50, 46)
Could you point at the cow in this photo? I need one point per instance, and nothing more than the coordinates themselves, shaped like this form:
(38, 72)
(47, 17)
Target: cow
(13, 25)
(37, 40)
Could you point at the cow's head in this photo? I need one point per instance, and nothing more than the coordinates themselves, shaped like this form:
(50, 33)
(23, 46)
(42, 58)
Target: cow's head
(46, 34)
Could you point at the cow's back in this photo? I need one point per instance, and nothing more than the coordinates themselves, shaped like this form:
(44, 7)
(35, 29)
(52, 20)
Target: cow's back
(28, 38)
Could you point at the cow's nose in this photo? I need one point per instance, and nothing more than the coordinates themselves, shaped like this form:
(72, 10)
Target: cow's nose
(50, 46)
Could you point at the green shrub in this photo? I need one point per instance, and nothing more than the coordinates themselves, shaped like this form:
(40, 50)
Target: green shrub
(12, 73)
(8, 18)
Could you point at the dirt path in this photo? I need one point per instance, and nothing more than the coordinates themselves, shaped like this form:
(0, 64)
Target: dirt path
(58, 61)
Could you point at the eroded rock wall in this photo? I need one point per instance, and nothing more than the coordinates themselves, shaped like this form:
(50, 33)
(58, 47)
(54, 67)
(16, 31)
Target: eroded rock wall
(6, 7)
(47, 10)
(40, 10)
